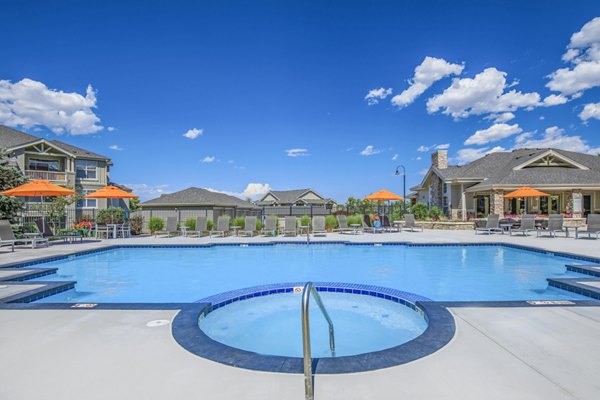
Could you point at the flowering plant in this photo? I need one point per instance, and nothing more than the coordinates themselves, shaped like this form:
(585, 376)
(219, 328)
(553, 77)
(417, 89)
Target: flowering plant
(84, 226)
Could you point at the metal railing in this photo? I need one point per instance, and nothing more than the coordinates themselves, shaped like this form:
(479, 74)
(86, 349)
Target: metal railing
(309, 392)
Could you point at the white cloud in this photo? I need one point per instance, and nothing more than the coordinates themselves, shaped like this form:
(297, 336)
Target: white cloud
(30, 103)
(208, 159)
(493, 134)
(375, 95)
(500, 118)
(193, 133)
(583, 53)
(297, 152)
(418, 158)
(542, 118)
(467, 155)
(555, 137)
(591, 110)
(147, 192)
(444, 146)
(394, 157)
(111, 128)
(115, 147)
(423, 149)
(370, 151)
(554, 100)
(485, 93)
(253, 191)
(430, 71)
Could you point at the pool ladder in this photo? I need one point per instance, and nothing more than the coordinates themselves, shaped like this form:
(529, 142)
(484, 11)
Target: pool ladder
(309, 392)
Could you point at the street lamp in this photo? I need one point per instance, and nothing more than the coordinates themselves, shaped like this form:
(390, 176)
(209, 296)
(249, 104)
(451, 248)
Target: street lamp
(403, 183)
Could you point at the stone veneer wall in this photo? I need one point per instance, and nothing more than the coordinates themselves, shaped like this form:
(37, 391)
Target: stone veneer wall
(497, 202)
(437, 191)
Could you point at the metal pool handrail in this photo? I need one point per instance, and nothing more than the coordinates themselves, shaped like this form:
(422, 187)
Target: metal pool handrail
(308, 381)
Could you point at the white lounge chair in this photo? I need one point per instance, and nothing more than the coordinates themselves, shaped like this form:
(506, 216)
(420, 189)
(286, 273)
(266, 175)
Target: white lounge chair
(270, 227)
(492, 225)
(318, 226)
(7, 236)
(222, 226)
(527, 225)
(171, 227)
(593, 227)
(410, 223)
(343, 225)
(201, 226)
(249, 227)
(290, 227)
(555, 225)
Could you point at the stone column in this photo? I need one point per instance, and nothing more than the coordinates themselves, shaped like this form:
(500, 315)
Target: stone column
(463, 202)
(497, 202)
(577, 203)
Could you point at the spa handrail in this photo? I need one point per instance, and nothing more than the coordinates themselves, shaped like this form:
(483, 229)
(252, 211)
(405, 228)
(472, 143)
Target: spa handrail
(308, 381)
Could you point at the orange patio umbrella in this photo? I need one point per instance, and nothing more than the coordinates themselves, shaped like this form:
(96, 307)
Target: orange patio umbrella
(524, 192)
(38, 188)
(110, 192)
(383, 195)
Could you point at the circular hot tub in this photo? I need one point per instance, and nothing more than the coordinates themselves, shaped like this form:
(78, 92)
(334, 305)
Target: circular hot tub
(260, 328)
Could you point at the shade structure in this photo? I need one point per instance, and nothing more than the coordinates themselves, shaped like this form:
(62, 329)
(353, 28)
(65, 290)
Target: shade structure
(383, 195)
(525, 191)
(38, 188)
(110, 192)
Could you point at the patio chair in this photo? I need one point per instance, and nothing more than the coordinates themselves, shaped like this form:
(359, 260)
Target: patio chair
(409, 223)
(555, 225)
(124, 230)
(367, 226)
(492, 225)
(170, 228)
(222, 226)
(343, 225)
(8, 243)
(249, 227)
(201, 226)
(593, 226)
(318, 226)
(290, 226)
(102, 230)
(7, 236)
(527, 225)
(385, 224)
(270, 227)
(66, 235)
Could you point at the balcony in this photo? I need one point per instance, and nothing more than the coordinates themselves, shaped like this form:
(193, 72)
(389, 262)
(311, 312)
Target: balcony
(47, 175)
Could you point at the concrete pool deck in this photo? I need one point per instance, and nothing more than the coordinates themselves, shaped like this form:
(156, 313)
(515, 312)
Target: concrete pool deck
(497, 352)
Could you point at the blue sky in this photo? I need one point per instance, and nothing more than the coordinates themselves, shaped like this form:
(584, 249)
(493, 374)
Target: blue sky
(254, 80)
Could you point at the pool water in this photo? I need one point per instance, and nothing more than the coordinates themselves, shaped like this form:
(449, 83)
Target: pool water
(271, 325)
(442, 273)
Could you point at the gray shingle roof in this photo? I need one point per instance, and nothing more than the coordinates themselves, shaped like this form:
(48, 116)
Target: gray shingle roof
(291, 197)
(194, 196)
(498, 169)
(11, 138)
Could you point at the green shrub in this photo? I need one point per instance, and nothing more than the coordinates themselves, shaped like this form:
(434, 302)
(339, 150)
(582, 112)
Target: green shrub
(111, 215)
(259, 225)
(331, 222)
(420, 210)
(354, 219)
(190, 223)
(155, 224)
(435, 213)
(210, 225)
(239, 221)
(136, 224)
(305, 220)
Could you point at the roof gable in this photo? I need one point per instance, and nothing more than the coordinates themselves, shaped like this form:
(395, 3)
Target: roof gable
(551, 159)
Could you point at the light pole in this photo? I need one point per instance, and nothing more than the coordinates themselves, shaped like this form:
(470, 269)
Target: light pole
(403, 184)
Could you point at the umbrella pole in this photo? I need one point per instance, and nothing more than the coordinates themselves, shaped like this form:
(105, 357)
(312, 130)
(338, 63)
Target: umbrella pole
(43, 217)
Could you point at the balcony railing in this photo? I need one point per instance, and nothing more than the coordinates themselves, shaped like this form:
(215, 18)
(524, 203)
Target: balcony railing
(47, 175)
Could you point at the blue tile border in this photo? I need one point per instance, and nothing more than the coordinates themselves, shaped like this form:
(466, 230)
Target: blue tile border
(47, 289)
(574, 285)
(439, 332)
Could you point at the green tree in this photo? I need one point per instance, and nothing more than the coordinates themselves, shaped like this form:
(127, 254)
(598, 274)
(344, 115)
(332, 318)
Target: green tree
(10, 177)
(134, 205)
(420, 210)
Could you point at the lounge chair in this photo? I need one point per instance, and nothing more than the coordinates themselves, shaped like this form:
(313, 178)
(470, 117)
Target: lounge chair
(318, 223)
(170, 228)
(7, 236)
(222, 226)
(343, 225)
(8, 243)
(66, 235)
(201, 226)
(249, 227)
(555, 225)
(367, 226)
(409, 223)
(270, 227)
(527, 225)
(593, 226)
(290, 226)
(385, 224)
(492, 225)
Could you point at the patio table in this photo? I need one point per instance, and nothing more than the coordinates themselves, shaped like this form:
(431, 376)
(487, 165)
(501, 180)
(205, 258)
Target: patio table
(114, 228)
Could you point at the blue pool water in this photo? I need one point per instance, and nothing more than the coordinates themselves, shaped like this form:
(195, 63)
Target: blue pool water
(443, 273)
(271, 324)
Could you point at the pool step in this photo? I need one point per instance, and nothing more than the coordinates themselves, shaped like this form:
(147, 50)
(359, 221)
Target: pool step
(23, 274)
(591, 269)
(586, 286)
(26, 292)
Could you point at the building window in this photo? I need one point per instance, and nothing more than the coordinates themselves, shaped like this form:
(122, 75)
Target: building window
(86, 203)
(550, 205)
(87, 170)
(34, 164)
(445, 187)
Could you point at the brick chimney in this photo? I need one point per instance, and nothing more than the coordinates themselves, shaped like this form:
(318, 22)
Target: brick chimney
(439, 159)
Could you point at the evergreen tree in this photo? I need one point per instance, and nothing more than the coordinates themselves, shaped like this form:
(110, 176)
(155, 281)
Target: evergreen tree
(10, 177)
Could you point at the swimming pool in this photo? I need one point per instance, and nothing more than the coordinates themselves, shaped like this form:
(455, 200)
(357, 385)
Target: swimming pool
(188, 274)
